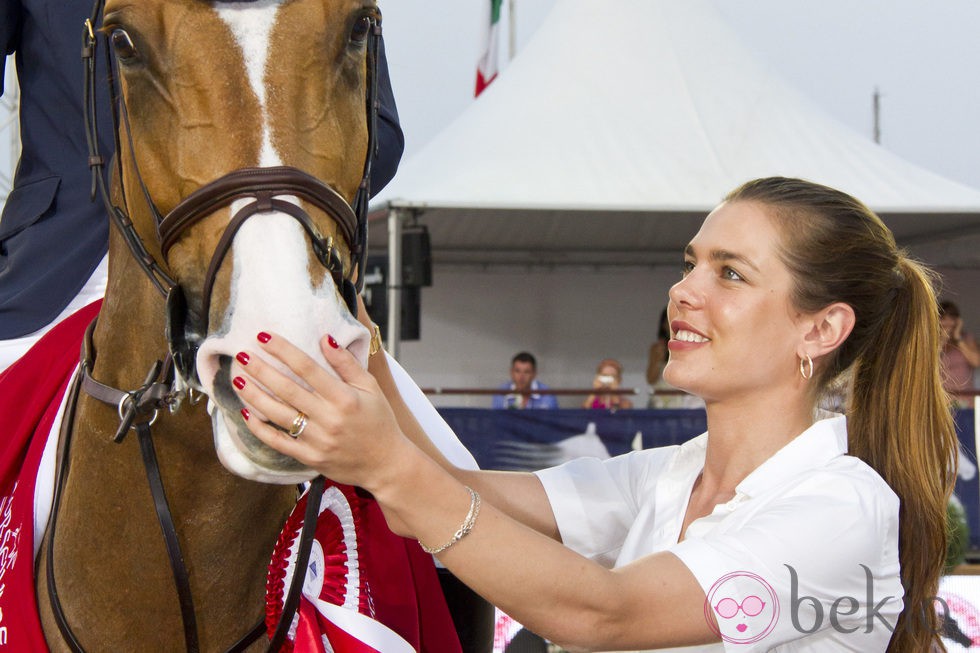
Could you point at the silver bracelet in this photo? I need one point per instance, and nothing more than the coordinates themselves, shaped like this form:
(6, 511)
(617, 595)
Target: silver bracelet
(464, 529)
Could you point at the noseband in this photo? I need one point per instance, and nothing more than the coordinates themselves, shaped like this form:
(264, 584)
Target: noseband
(262, 187)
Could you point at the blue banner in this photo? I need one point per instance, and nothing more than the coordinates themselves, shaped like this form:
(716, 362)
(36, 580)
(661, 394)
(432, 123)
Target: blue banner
(534, 439)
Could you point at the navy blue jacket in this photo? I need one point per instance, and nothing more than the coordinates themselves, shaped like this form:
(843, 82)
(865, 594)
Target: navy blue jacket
(51, 235)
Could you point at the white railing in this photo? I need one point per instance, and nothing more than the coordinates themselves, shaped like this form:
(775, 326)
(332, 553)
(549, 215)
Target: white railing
(9, 130)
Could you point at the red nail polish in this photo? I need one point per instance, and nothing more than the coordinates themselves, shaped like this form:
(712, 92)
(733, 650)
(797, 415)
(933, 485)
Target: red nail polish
(239, 382)
(332, 342)
(246, 414)
(242, 358)
(263, 337)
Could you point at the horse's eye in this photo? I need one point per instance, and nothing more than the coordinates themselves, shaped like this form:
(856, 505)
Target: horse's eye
(361, 29)
(123, 44)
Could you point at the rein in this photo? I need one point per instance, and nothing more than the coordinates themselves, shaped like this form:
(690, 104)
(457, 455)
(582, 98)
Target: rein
(145, 403)
(138, 409)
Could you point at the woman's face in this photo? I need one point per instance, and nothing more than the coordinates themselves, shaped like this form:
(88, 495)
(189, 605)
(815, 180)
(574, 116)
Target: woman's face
(734, 331)
(948, 324)
(609, 372)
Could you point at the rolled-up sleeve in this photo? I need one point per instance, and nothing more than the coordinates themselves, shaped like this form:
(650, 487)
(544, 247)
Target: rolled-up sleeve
(595, 502)
(781, 555)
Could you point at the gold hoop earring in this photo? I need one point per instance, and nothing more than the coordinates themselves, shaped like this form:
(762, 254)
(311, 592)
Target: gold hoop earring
(806, 367)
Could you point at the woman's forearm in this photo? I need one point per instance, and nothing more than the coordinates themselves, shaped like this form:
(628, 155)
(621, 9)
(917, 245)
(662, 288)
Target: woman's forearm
(519, 495)
(550, 589)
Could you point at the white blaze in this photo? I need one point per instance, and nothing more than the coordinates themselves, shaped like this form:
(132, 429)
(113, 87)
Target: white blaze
(251, 23)
(271, 288)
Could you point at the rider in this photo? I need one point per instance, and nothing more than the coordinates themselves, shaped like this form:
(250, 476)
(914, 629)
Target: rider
(53, 240)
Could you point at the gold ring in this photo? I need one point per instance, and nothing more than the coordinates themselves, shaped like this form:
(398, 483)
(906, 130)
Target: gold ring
(299, 423)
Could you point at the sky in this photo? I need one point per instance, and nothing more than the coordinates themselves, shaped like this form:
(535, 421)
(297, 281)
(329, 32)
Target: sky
(924, 59)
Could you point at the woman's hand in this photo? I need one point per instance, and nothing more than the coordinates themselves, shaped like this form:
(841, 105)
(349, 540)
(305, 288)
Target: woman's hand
(351, 434)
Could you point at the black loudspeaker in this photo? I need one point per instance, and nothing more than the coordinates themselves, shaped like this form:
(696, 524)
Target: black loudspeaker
(472, 614)
(416, 256)
(376, 300)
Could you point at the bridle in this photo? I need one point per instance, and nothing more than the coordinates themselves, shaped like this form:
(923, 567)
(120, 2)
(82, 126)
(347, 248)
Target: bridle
(185, 330)
(169, 380)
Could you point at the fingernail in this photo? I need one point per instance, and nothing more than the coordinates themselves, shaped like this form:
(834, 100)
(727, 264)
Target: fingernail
(332, 342)
(239, 382)
(263, 337)
(242, 358)
(246, 414)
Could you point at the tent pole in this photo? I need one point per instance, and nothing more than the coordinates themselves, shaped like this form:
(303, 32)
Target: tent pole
(394, 281)
(511, 31)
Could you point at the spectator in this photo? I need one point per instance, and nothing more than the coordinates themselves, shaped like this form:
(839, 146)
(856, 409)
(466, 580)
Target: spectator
(523, 389)
(960, 355)
(659, 355)
(663, 394)
(609, 376)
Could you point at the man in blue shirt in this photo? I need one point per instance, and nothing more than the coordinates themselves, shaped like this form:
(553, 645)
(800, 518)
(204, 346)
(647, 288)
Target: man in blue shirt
(523, 390)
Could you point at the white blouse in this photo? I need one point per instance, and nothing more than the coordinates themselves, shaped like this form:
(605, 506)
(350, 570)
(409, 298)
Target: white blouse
(803, 558)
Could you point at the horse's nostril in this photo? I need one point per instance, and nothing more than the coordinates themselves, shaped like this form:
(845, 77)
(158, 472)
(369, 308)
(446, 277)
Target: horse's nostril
(222, 392)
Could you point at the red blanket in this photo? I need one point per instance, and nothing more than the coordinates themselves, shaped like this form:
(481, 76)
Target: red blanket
(31, 391)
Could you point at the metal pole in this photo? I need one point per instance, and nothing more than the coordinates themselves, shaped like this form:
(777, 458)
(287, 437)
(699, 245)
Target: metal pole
(876, 113)
(394, 281)
(512, 31)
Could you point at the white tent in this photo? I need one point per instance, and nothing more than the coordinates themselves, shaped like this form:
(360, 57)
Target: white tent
(621, 124)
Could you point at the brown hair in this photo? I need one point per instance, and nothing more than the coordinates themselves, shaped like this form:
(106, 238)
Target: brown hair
(948, 308)
(898, 419)
(610, 362)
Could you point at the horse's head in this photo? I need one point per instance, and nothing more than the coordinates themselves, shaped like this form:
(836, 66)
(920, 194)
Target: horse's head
(278, 87)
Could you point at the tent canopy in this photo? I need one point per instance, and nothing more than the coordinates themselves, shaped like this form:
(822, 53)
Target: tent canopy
(621, 125)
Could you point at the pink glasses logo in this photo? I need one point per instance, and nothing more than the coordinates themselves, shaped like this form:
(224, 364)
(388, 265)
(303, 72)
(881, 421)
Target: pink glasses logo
(741, 608)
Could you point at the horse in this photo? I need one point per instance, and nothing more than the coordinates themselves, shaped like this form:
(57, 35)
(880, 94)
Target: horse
(242, 140)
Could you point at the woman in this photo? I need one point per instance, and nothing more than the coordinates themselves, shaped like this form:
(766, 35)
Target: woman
(960, 355)
(608, 376)
(760, 532)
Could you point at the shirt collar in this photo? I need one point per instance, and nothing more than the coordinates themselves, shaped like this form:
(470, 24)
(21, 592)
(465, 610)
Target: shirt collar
(825, 440)
(534, 386)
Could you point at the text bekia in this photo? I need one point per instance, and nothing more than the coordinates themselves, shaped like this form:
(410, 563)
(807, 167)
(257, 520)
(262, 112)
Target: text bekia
(842, 606)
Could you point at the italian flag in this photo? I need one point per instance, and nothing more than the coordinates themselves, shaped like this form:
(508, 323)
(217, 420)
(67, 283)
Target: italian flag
(486, 68)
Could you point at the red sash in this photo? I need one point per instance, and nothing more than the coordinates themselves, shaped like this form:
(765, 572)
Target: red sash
(31, 391)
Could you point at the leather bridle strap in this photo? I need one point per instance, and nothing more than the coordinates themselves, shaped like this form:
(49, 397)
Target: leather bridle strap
(116, 397)
(120, 218)
(250, 183)
(63, 447)
(313, 497)
(140, 403)
(174, 554)
(275, 181)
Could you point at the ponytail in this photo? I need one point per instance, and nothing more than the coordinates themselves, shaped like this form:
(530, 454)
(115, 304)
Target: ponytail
(899, 419)
(899, 422)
